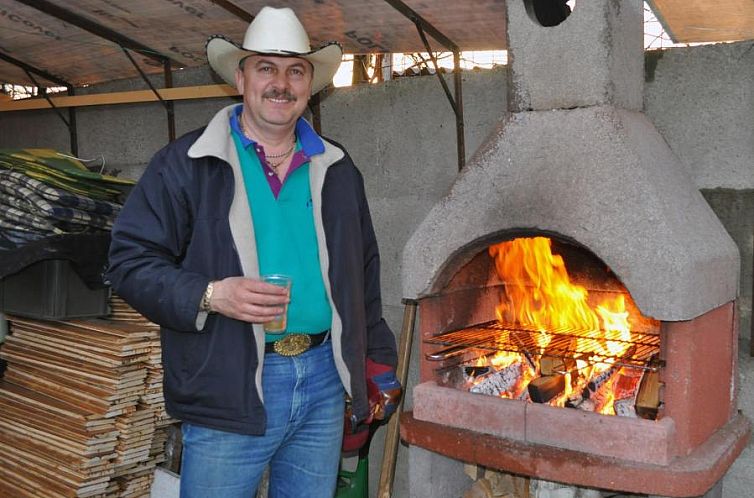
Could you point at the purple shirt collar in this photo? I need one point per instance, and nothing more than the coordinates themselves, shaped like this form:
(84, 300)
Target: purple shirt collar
(308, 145)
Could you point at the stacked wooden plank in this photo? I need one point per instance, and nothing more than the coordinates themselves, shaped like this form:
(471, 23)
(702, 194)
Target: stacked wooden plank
(70, 391)
(122, 311)
(136, 478)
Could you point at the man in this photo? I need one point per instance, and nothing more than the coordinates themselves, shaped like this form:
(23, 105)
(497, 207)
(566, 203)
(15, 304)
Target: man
(257, 192)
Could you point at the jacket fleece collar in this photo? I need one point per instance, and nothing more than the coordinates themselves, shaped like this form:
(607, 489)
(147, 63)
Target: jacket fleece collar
(217, 141)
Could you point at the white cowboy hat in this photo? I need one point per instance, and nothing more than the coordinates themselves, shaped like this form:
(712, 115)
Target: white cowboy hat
(274, 32)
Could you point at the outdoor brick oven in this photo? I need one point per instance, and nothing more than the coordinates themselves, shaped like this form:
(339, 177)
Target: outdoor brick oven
(578, 162)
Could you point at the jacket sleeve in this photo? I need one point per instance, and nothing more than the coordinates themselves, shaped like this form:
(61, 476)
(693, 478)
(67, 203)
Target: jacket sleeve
(149, 238)
(380, 339)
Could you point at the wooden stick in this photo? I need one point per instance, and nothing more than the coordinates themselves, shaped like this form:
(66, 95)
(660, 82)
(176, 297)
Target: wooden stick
(392, 435)
(543, 389)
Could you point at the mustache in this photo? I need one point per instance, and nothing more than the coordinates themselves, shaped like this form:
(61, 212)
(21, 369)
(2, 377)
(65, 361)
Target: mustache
(275, 94)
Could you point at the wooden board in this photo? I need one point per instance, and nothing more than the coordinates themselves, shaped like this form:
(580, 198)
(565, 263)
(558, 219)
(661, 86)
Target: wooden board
(690, 21)
(75, 417)
(129, 97)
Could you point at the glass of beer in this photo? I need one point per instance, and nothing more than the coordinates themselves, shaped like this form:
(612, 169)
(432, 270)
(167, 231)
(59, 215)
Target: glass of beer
(278, 324)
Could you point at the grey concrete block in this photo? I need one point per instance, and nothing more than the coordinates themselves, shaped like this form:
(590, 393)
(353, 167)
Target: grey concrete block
(30, 129)
(435, 476)
(702, 101)
(735, 208)
(594, 57)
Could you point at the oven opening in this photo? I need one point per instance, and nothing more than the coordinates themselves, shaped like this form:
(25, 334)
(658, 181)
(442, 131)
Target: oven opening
(566, 333)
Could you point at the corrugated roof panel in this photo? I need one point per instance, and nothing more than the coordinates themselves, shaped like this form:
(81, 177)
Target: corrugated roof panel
(179, 29)
(375, 26)
(57, 47)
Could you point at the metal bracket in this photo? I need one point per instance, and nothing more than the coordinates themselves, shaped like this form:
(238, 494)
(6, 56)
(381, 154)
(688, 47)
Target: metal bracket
(168, 83)
(71, 121)
(456, 103)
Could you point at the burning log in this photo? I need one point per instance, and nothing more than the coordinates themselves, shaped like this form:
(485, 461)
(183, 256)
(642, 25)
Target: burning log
(498, 382)
(625, 407)
(591, 395)
(472, 372)
(543, 389)
(585, 404)
(460, 377)
(556, 365)
(596, 383)
(625, 388)
(593, 388)
(648, 397)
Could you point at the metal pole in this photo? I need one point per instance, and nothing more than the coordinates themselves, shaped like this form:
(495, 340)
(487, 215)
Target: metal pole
(460, 135)
(456, 103)
(72, 126)
(392, 435)
(43, 91)
(424, 25)
(234, 9)
(169, 105)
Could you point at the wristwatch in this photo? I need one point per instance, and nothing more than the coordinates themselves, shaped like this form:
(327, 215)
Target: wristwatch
(206, 304)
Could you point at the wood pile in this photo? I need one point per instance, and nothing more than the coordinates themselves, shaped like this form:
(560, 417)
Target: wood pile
(81, 408)
(123, 312)
(136, 478)
(493, 484)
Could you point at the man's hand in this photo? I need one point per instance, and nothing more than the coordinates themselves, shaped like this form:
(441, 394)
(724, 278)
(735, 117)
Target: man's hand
(384, 390)
(248, 300)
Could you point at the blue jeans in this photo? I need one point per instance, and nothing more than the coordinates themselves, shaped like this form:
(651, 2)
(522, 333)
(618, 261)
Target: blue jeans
(303, 398)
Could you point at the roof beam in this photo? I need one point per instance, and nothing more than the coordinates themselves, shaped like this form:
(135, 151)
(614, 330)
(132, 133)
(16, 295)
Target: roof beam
(234, 9)
(27, 67)
(425, 25)
(94, 28)
(127, 97)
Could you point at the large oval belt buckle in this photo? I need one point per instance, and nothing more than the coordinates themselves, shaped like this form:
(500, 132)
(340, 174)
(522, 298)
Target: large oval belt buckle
(293, 344)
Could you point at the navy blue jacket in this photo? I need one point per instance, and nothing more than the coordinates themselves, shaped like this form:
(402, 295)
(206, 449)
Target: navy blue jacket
(187, 222)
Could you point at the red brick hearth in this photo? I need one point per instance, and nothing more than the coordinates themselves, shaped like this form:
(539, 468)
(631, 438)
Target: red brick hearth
(691, 475)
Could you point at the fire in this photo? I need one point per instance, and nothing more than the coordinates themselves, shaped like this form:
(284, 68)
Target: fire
(539, 295)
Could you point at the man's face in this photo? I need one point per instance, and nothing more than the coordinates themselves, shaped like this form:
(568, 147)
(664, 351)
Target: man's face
(275, 89)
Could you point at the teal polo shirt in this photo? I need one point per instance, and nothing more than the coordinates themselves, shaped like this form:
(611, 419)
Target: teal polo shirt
(284, 229)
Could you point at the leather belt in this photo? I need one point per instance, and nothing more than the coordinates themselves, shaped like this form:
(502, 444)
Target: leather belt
(295, 344)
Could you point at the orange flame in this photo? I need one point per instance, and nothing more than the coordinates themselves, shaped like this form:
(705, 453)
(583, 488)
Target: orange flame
(539, 294)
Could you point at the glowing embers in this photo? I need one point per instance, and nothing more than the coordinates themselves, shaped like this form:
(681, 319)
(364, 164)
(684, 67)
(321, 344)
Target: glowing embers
(553, 343)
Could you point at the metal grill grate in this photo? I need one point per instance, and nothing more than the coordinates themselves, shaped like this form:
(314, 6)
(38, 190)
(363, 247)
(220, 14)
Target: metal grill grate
(495, 336)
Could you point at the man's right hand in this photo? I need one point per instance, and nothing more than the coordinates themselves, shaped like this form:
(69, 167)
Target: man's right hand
(248, 300)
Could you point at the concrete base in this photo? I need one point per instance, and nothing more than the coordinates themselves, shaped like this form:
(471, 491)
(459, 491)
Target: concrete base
(447, 477)
(715, 492)
(689, 476)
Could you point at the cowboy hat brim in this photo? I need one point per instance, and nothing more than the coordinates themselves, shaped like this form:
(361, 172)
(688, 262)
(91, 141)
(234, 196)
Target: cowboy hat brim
(224, 56)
